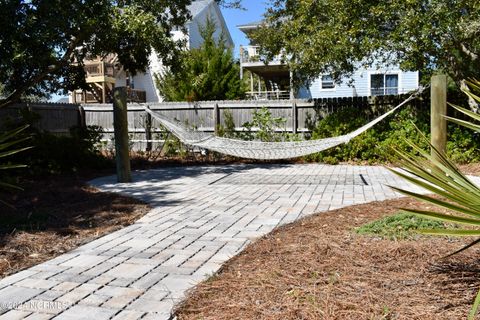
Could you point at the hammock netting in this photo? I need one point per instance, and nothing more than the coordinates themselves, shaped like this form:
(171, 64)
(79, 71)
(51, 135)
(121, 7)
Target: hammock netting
(260, 150)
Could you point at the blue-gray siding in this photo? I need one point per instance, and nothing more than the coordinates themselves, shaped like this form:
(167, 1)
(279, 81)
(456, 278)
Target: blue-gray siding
(407, 81)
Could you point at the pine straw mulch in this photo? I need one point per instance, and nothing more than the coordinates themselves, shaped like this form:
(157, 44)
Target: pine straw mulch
(319, 268)
(57, 214)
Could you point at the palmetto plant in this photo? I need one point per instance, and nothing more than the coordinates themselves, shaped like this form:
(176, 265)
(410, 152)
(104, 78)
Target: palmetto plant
(437, 174)
(8, 141)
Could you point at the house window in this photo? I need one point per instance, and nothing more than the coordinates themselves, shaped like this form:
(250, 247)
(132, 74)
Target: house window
(383, 84)
(327, 82)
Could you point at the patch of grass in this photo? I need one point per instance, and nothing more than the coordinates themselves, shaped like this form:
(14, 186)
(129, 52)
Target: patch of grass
(399, 226)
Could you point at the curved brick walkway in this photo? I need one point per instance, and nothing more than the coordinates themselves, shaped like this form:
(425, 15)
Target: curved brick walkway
(202, 216)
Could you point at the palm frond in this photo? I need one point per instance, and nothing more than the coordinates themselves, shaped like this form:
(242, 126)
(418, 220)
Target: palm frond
(434, 172)
(7, 141)
(11, 134)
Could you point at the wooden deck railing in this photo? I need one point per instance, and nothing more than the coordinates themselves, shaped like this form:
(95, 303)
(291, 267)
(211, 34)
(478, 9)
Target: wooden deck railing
(133, 95)
(249, 54)
(100, 68)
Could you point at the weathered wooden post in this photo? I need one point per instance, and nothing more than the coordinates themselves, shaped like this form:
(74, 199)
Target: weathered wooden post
(148, 132)
(82, 121)
(294, 117)
(216, 118)
(438, 111)
(120, 125)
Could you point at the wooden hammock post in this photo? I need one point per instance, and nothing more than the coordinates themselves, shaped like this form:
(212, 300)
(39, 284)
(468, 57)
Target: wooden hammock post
(438, 111)
(294, 117)
(216, 118)
(120, 125)
(148, 132)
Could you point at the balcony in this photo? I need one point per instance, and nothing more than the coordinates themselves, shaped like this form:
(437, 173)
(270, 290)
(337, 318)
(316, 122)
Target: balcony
(99, 71)
(250, 55)
(96, 96)
(99, 68)
(135, 95)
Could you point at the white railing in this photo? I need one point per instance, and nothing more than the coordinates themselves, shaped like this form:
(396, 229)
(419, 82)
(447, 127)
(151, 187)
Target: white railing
(269, 95)
(249, 54)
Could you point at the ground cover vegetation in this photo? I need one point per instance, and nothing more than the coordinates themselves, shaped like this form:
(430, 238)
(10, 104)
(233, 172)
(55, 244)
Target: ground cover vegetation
(399, 226)
(209, 72)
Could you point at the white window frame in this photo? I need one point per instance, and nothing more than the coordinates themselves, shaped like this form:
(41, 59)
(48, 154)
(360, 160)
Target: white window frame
(385, 73)
(327, 89)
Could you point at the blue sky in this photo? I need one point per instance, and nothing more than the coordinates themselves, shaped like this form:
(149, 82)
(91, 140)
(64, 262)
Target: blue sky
(254, 12)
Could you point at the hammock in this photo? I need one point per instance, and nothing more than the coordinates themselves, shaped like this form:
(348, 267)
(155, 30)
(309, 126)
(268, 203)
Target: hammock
(263, 150)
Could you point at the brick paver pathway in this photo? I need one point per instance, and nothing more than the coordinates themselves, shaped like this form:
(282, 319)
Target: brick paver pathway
(201, 217)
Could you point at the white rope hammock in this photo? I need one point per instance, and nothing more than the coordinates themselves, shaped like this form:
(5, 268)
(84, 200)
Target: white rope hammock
(264, 150)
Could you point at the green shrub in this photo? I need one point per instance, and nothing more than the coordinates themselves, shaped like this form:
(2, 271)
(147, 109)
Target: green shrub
(375, 145)
(173, 147)
(57, 154)
(228, 129)
(431, 170)
(268, 128)
(53, 154)
(463, 145)
(399, 226)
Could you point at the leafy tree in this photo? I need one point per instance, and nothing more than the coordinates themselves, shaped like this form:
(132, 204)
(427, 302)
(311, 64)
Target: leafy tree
(207, 73)
(43, 43)
(339, 36)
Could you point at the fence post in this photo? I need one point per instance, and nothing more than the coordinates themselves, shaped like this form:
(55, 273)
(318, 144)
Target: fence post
(82, 121)
(148, 131)
(120, 125)
(216, 118)
(438, 111)
(294, 117)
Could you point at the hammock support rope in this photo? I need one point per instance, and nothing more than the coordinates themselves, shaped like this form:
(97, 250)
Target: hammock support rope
(260, 150)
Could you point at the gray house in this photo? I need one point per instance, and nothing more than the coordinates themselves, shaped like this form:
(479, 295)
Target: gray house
(273, 80)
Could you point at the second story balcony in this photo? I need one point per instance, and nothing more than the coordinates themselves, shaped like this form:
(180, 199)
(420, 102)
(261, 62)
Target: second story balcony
(99, 71)
(250, 55)
(96, 95)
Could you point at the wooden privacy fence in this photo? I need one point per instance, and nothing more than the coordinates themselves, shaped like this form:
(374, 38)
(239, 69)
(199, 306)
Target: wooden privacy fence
(300, 115)
(206, 115)
(56, 118)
